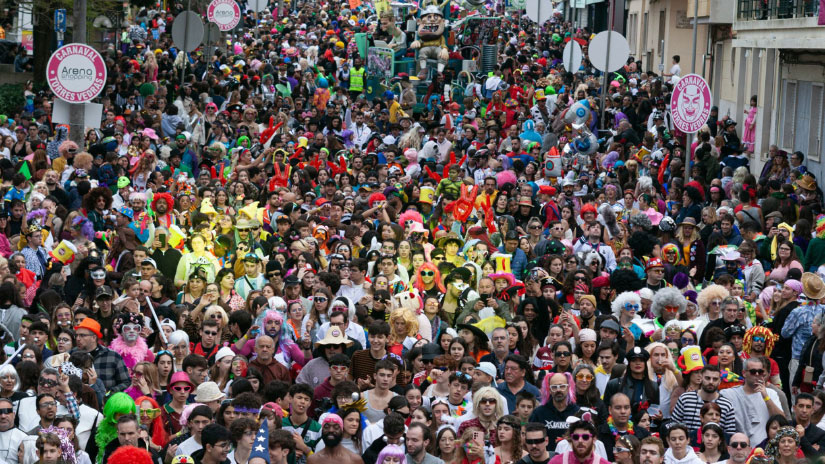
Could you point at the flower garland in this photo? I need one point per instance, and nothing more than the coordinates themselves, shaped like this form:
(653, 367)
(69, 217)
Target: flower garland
(615, 432)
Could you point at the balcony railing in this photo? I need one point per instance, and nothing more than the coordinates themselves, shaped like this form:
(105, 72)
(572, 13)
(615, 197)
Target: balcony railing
(754, 10)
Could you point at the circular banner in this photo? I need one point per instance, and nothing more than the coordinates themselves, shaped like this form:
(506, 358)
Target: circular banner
(76, 73)
(690, 103)
(225, 13)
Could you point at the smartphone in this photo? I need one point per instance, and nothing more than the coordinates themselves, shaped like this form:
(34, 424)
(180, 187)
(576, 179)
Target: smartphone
(162, 240)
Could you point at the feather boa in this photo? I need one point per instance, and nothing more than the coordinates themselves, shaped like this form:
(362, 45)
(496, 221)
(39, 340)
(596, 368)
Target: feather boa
(131, 354)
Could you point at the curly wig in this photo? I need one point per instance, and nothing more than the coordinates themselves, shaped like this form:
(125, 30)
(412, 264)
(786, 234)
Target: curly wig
(90, 199)
(708, 294)
(759, 331)
(410, 215)
(66, 146)
(409, 318)
(641, 243)
(669, 296)
(130, 455)
(641, 220)
(170, 203)
(506, 177)
(625, 280)
(624, 298)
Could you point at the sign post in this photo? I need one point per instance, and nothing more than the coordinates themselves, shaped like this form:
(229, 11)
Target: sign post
(76, 73)
(60, 25)
(690, 105)
(225, 13)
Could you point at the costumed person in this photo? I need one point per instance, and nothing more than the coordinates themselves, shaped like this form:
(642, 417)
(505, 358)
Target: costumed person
(430, 42)
(625, 308)
(134, 455)
(163, 205)
(117, 405)
(668, 303)
(198, 256)
(67, 451)
(129, 343)
(759, 342)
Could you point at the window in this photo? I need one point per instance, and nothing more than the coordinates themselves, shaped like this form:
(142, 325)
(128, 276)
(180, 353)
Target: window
(632, 32)
(815, 131)
(789, 115)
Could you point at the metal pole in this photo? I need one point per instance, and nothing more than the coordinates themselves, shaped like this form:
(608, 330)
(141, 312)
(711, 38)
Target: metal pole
(186, 45)
(692, 70)
(77, 116)
(605, 83)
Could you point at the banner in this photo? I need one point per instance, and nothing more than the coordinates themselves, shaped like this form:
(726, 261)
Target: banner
(479, 31)
(380, 62)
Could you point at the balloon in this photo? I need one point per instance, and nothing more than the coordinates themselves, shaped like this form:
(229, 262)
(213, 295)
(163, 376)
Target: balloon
(579, 113)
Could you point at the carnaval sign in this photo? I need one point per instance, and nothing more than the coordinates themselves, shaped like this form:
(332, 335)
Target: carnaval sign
(225, 13)
(690, 103)
(76, 73)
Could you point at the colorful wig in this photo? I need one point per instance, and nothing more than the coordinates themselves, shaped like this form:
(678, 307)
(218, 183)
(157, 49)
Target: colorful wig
(759, 331)
(547, 396)
(119, 403)
(156, 429)
(130, 455)
(418, 284)
(391, 451)
(410, 215)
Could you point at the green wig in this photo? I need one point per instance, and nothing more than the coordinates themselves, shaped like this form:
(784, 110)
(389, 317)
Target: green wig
(117, 405)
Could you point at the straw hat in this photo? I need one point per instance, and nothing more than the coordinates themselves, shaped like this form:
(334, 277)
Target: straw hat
(334, 336)
(812, 286)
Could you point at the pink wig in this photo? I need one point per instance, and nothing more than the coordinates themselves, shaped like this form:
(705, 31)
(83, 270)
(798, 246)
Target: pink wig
(410, 215)
(506, 177)
(546, 396)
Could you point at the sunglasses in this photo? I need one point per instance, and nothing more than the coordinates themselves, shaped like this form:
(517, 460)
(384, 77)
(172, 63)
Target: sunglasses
(151, 413)
(672, 309)
(47, 383)
(185, 389)
(488, 401)
(427, 273)
(757, 371)
(321, 299)
(688, 341)
(582, 376)
(558, 387)
(631, 307)
(562, 354)
(579, 279)
(618, 449)
(759, 339)
(581, 437)
(534, 441)
(6, 411)
(733, 444)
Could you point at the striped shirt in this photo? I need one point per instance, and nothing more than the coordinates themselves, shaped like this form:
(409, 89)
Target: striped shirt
(687, 410)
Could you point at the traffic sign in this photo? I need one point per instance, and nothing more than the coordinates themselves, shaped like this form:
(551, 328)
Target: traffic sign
(572, 56)
(60, 20)
(539, 11)
(690, 103)
(225, 13)
(187, 31)
(76, 73)
(257, 5)
(212, 34)
(598, 50)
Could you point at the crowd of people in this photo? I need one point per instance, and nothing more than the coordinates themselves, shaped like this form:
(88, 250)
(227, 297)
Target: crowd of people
(259, 257)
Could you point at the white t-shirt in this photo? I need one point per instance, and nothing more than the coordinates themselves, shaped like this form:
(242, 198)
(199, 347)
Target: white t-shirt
(675, 70)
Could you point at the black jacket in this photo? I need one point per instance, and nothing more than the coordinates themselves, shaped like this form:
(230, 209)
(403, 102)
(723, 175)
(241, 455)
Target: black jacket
(554, 421)
(648, 392)
(607, 438)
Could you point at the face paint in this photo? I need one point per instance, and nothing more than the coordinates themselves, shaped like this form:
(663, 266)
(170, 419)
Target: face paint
(130, 332)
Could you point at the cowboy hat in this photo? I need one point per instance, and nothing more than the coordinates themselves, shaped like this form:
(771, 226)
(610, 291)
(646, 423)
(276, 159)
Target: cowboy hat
(812, 286)
(806, 182)
(334, 336)
(480, 336)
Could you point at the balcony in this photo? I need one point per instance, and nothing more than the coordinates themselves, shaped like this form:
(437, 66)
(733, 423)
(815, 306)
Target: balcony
(761, 10)
(713, 11)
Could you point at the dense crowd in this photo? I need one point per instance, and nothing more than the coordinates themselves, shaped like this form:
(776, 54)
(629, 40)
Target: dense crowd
(267, 253)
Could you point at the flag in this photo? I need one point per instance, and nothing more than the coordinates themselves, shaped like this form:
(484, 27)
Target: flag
(24, 169)
(260, 449)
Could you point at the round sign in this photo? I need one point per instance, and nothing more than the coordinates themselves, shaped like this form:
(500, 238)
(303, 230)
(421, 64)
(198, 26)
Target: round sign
(187, 30)
(572, 56)
(619, 51)
(76, 73)
(225, 13)
(690, 103)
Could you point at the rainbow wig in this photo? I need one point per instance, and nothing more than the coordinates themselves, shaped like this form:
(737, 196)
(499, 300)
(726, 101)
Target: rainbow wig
(391, 451)
(118, 404)
(759, 331)
(547, 396)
